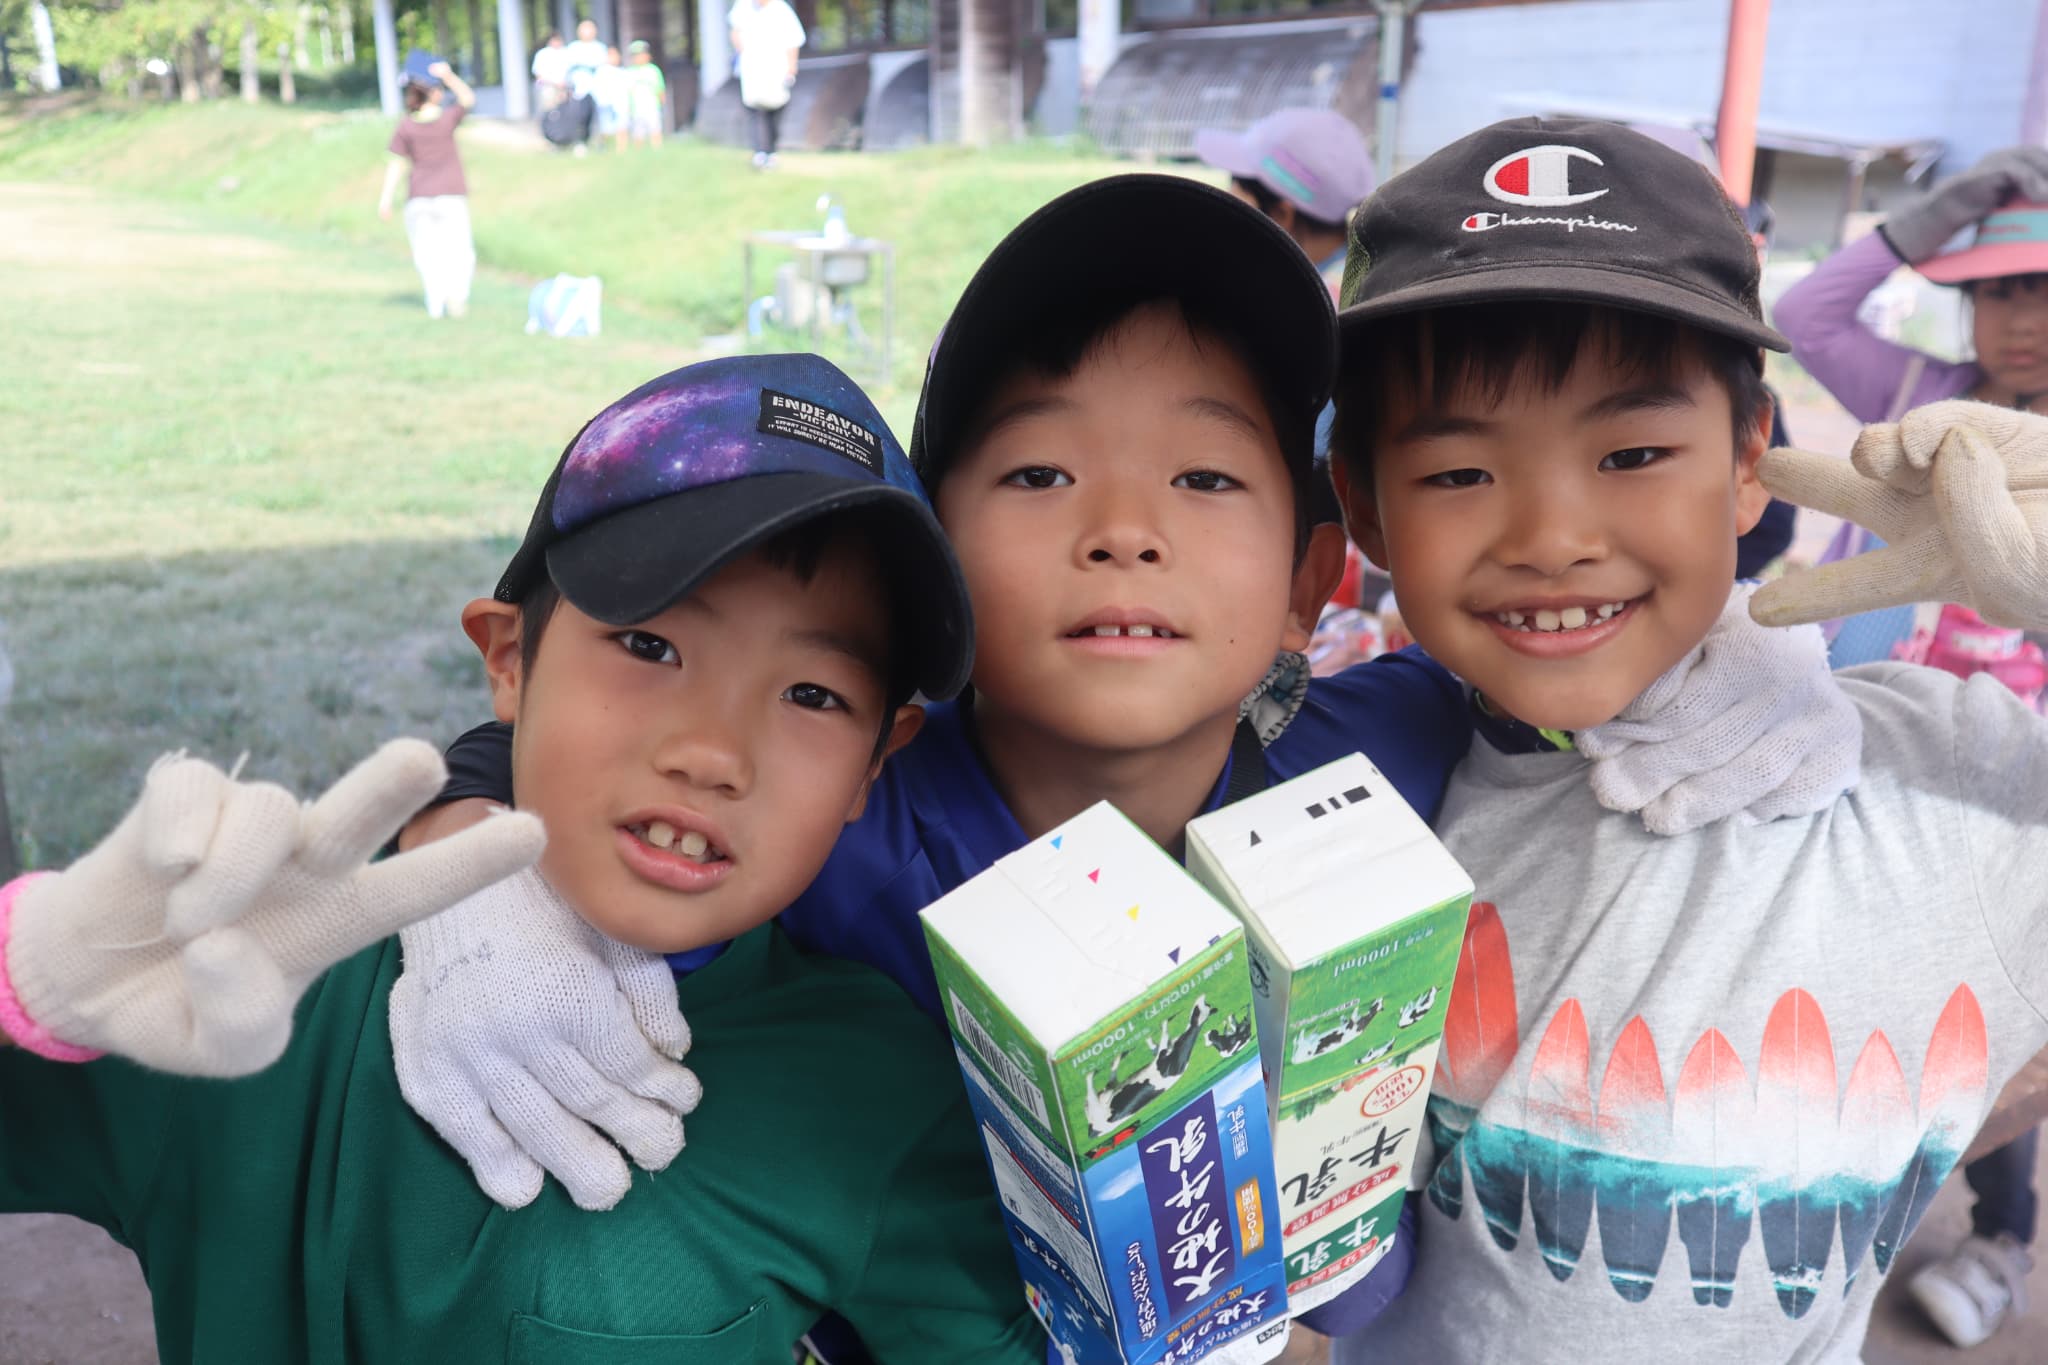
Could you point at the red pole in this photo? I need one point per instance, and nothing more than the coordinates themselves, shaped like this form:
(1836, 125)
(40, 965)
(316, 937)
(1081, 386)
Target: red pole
(1742, 84)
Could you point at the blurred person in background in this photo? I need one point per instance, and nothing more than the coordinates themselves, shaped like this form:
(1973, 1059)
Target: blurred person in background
(614, 95)
(437, 196)
(766, 35)
(583, 59)
(2004, 277)
(550, 74)
(649, 102)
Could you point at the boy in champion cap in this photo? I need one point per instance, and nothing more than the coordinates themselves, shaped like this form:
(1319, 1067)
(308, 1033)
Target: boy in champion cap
(1695, 1088)
(730, 588)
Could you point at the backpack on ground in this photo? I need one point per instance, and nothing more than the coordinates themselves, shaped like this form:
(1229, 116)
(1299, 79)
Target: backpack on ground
(566, 306)
(568, 123)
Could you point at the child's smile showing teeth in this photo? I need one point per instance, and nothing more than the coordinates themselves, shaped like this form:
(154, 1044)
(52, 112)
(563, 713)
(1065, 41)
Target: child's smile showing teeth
(688, 843)
(1128, 632)
(1564, 618)
(1124, 632)
(674, 851)
(1557, 629)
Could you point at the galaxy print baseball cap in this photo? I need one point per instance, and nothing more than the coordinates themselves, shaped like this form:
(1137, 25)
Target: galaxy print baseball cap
(690, 471)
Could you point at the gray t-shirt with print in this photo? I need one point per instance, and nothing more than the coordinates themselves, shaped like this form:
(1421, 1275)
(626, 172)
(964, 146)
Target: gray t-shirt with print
(1694, 1092)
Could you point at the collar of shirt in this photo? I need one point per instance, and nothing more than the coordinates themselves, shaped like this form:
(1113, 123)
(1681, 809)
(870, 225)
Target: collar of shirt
(951, 762)
(1511, 736)
(684, 963)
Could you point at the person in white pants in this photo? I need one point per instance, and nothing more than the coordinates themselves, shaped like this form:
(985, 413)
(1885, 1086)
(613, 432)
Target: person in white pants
(437, 195)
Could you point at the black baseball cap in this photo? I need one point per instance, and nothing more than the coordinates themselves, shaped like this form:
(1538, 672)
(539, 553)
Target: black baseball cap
(690, 471)
(1567, 210)
(1139, 237)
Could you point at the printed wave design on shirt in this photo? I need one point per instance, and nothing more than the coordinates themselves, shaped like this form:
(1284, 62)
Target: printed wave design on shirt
(1791, 1158)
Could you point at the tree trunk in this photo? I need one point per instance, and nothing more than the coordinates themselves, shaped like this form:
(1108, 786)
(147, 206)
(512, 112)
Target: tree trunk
(251, 90)
(301, 50)
(188, 70)
(444, 37)
(345, 16)
(476, 44)
(212, 75)
(287, 84)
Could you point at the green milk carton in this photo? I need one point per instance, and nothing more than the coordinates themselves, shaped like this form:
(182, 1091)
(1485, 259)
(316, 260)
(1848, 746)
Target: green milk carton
(1353, 916)
(1101, 1010)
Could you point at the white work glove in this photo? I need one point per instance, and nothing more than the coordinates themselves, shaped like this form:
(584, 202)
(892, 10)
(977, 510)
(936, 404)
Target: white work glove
(516, 1027)
(186, 937)
(1750, 724)
(1959, 492)
(1922, 228)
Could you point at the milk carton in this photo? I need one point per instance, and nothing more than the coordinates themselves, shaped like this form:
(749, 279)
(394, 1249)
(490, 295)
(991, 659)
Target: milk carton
(1102, 1015)
(1353, 917)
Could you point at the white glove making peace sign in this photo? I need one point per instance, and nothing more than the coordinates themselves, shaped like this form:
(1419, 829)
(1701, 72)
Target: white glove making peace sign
(1958, 491)
(185, 938)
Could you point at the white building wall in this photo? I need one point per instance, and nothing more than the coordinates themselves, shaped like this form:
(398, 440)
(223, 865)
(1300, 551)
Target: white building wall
(1881, 69)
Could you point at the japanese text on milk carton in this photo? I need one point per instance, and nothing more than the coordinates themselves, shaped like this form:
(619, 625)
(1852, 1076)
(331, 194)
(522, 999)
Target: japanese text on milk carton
(1353, 916)
(1102, 1015)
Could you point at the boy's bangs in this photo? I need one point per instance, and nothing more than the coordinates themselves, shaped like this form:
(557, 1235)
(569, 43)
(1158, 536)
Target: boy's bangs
(1431, 361)
(1487, 352)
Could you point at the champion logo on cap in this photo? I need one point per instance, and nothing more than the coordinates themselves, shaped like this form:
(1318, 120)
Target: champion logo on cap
(1539, 177)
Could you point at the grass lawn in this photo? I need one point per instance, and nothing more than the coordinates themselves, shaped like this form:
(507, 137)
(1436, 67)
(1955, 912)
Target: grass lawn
(245, 485)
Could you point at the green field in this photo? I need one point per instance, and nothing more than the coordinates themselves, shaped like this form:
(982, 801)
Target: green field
(245, 485)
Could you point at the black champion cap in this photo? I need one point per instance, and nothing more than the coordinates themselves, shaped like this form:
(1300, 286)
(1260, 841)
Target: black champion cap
(1137, 236)
(1570, 210)
(690, 471)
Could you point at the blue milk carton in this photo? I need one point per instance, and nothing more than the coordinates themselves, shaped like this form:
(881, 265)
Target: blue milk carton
(1102, 1013)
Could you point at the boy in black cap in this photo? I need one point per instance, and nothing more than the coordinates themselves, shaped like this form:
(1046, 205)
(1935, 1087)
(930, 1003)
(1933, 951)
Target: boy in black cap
(730, 589)
(1696, 1088)
(1123, 465)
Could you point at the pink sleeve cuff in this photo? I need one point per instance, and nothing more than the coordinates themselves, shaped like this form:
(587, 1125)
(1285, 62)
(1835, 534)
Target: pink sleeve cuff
(14, 1020)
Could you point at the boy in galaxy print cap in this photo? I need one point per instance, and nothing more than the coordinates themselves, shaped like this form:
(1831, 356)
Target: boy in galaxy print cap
(729, 591)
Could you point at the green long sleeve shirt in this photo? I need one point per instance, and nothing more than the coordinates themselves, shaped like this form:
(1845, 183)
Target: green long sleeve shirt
(306, 1214)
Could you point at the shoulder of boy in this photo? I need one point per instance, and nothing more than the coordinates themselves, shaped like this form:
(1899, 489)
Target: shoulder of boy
(1928, 720)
